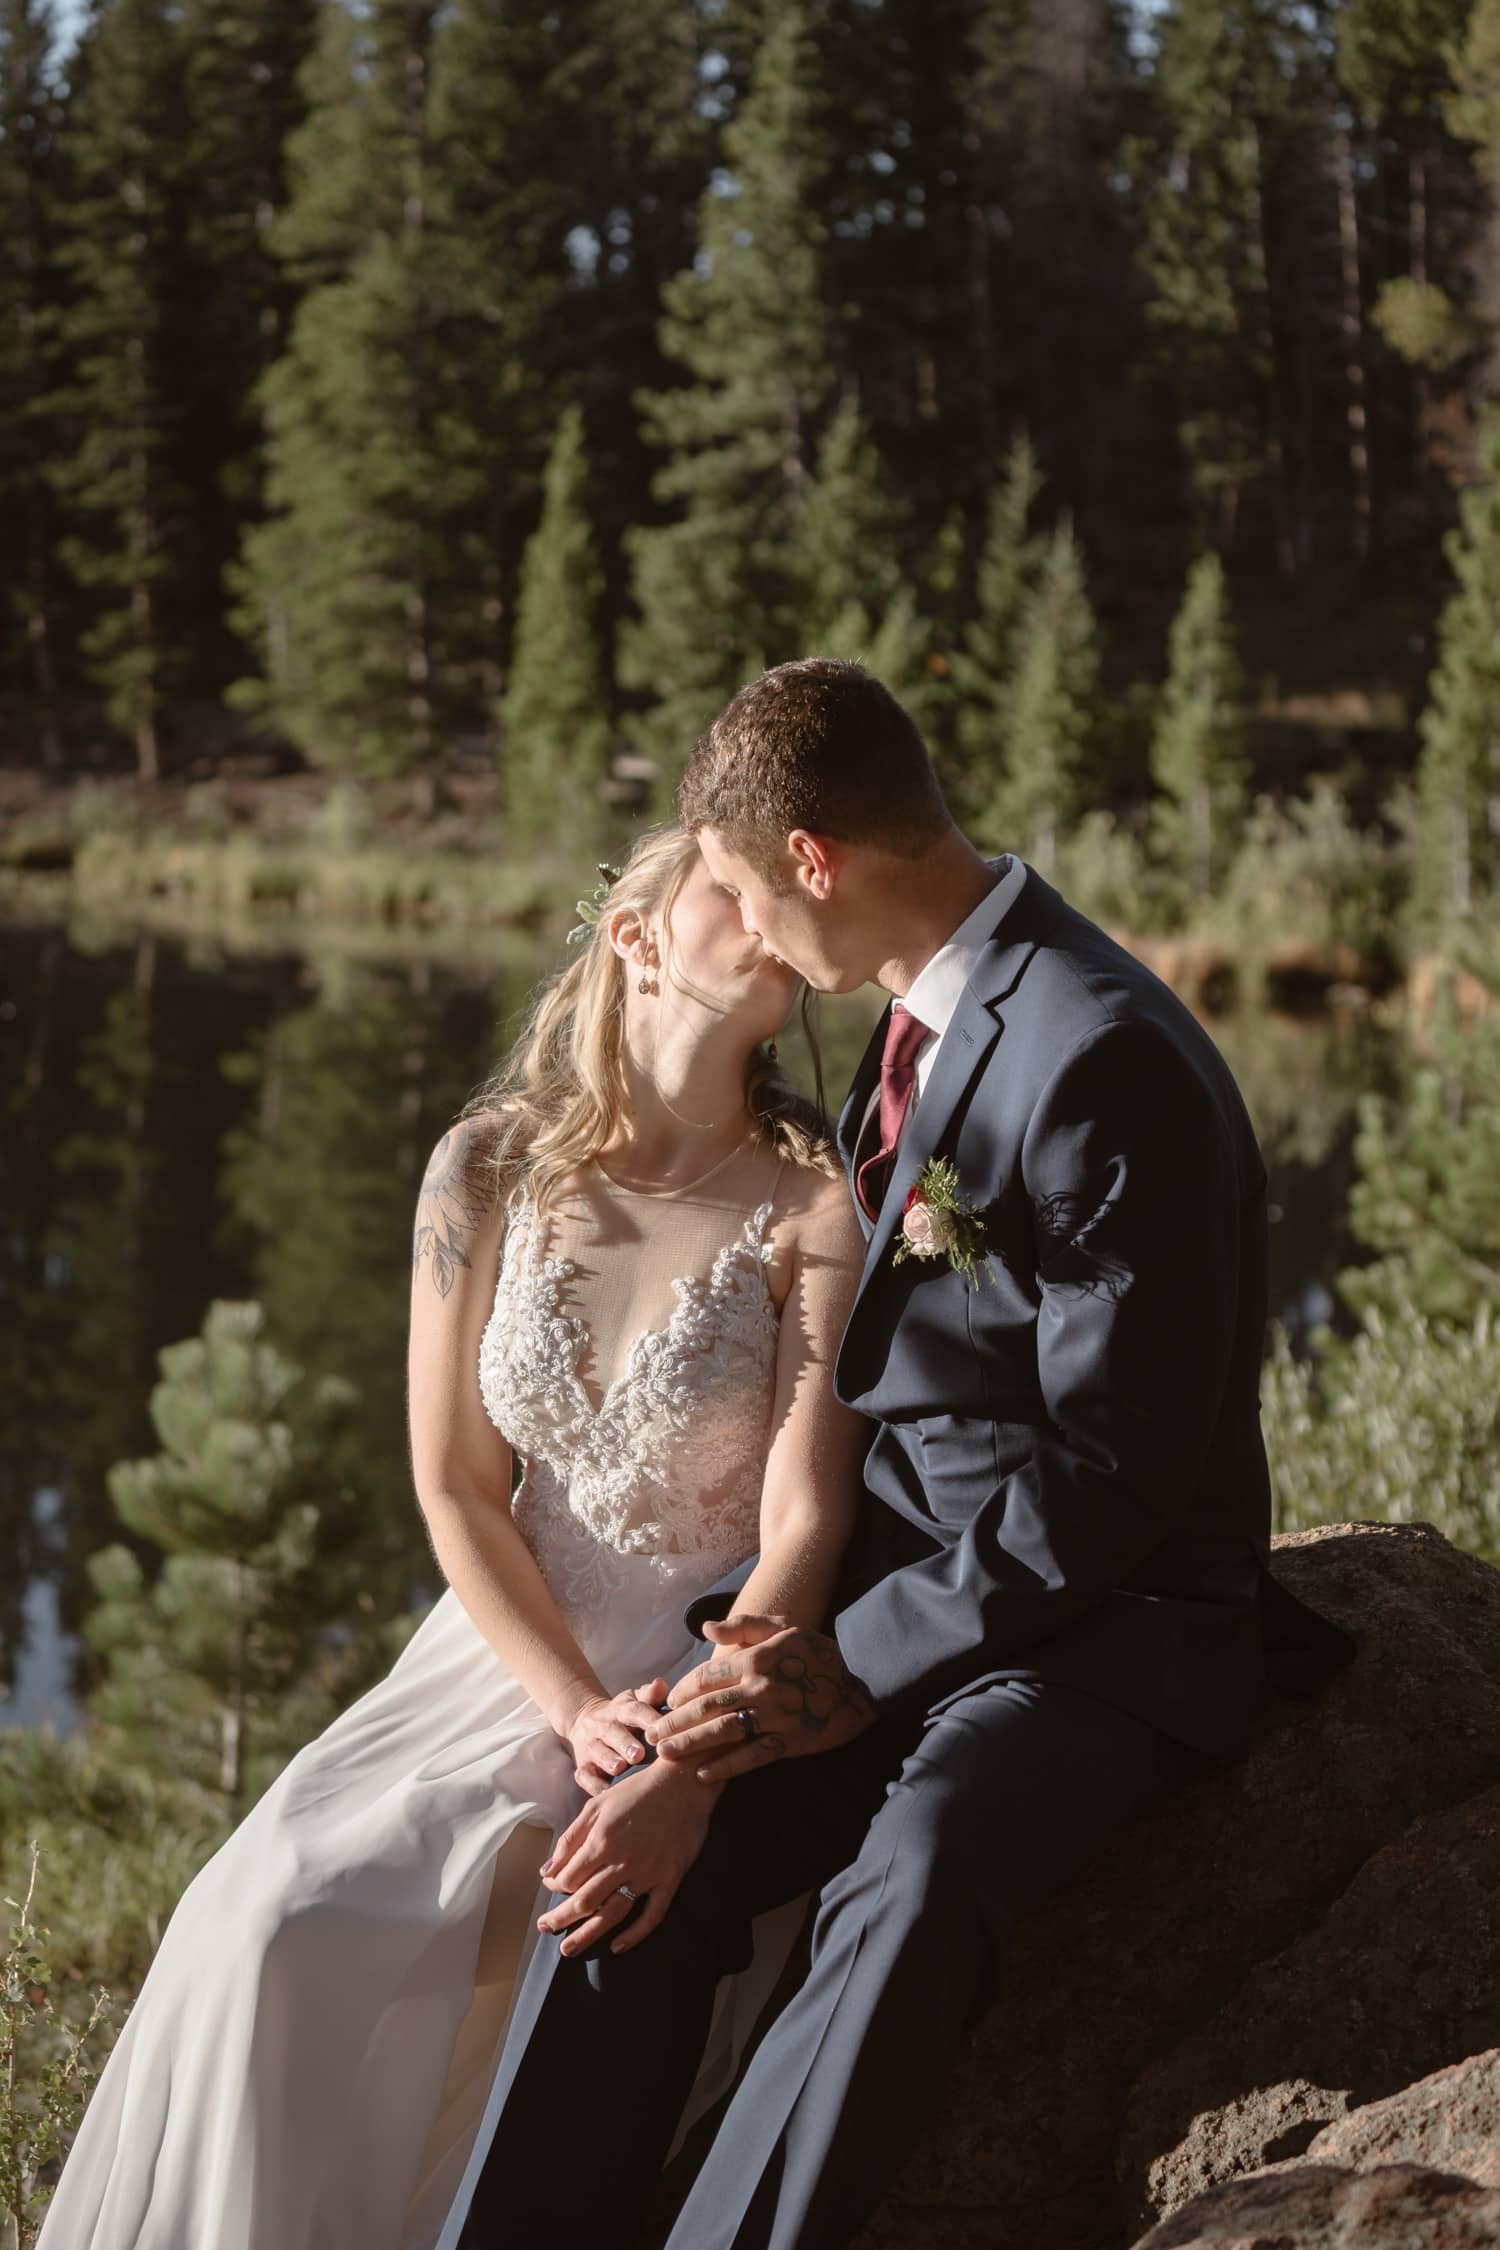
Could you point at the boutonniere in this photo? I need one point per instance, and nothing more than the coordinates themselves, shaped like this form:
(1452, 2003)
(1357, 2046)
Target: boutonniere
(940, 1221)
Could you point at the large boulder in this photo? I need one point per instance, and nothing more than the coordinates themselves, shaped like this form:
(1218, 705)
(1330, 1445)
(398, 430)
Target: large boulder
(1323, 2207)
(1174, 1918)
(1389, 1987)
(1153, 1941)
(1449, 2122)
(1430, 2153)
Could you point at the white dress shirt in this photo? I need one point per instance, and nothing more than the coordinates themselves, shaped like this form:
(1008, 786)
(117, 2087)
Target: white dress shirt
(935, 991)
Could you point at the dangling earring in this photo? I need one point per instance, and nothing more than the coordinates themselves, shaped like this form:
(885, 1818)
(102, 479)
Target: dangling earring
(771, 1052)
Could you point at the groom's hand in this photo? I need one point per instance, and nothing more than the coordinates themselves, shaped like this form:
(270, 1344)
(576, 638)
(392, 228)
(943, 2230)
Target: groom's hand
(793, 1683)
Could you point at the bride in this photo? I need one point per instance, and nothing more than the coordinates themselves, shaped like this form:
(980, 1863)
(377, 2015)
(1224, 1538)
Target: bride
(633, 1257)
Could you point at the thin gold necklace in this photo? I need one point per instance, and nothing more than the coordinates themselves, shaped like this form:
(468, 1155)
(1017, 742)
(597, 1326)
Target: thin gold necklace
(684, 1188)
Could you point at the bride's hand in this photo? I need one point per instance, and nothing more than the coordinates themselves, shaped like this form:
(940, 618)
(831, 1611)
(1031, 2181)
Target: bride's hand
(605, 1736)
(646, 1836)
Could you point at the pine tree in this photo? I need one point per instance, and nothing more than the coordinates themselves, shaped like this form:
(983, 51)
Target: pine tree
(1471, 110)
(243, 60)
(848, 536)
(1427, 1196)
(1394, 58)
(1044, 784)
(352, 588)
(984, 667)
(1051, 89)
(853, 599)
(554, 719)
(510, 91)
(1471, 113)
(943, 600)
(915, 255)
(1196, 755)
(30, 127)
(634, 108)
(1458, 774)
(216, 1671)
(716, 586)
(1222, 85)
(120, 336)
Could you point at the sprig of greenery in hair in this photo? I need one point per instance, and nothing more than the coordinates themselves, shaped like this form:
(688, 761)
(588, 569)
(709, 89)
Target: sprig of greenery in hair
(590, 908)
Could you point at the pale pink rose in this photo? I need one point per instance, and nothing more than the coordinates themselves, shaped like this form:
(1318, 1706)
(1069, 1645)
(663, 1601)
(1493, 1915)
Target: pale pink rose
(928, 1233)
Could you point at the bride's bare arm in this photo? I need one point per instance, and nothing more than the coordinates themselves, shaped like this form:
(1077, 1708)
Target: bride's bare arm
(813, 1471)
(461, 1465)
(649, 1833)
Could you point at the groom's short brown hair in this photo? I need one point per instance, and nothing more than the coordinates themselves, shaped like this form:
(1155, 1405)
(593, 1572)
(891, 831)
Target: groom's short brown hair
(819, 744)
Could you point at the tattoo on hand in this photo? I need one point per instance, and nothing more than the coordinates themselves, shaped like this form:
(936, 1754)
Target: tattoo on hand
(449, 1208)
(813, 1668)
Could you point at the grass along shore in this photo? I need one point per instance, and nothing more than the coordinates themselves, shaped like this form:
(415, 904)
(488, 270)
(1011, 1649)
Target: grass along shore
(1308, 916)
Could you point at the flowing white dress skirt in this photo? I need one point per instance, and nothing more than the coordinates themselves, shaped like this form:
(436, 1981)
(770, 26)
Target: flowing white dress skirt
(308, 2064)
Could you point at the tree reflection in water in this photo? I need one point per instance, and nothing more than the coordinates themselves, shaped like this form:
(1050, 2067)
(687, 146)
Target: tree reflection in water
(185, 1122)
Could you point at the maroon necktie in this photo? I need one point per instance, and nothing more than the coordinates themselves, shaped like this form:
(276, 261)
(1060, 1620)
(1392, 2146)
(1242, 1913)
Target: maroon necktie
(904, 1034)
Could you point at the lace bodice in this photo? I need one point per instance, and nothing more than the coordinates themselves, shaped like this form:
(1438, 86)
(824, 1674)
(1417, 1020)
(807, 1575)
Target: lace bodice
(659, 1477)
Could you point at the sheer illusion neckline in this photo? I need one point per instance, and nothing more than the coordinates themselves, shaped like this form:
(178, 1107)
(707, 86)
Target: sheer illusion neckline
(700, 1301)
(665, 1195)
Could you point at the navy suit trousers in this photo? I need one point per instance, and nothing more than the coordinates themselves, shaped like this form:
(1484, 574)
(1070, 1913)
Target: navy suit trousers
(924, 1844)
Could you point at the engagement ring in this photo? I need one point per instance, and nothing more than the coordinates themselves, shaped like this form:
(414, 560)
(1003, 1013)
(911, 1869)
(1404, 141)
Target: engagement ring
(625, 1891)
(747, 1720)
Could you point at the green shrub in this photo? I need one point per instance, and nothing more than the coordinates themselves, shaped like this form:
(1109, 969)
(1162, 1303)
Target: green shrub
(1306, 874)
(1105, 870)
(45, 2074)
(1401, 1424)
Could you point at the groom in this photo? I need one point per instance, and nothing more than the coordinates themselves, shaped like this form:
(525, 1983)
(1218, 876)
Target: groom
(1057, 1606)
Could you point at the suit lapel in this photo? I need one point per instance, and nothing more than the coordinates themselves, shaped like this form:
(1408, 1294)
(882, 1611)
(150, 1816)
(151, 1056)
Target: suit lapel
(965, 1049)
(966, 1046)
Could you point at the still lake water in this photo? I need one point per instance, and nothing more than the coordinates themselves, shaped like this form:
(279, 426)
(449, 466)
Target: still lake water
(181, 1121)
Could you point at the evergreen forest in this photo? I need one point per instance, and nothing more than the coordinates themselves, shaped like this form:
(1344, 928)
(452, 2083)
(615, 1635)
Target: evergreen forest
(396, 381)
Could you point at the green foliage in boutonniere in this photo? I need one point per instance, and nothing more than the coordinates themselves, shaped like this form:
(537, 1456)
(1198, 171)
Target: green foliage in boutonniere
(940, 1221)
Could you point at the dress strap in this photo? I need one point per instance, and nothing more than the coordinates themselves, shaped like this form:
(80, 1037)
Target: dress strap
(760, 1218)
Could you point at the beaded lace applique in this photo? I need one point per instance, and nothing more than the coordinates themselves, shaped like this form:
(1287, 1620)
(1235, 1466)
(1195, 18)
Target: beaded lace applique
(669, 1464)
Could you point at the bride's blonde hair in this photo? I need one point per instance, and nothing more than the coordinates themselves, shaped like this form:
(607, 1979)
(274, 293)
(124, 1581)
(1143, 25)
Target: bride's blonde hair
(561, 1092)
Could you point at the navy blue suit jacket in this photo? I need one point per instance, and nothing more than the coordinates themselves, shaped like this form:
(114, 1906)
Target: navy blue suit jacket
(1067, 1479)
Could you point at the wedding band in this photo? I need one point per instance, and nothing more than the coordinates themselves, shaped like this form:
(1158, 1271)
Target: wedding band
(624, 1890)
(747, 1720)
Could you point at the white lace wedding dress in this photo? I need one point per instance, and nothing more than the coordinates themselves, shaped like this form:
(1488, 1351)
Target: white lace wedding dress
(309, 2061)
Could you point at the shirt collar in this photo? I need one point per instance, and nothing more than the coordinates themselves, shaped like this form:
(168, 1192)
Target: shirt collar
(935, 991)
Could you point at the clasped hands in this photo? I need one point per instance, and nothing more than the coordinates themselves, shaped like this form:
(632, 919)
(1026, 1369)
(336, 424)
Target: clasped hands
(802, 1698)
(794, 1684)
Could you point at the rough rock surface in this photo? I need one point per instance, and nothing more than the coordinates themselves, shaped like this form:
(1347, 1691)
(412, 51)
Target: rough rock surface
(1389, 1987)
(1173, 1918)
(1449, 2122)
(1323, 2207)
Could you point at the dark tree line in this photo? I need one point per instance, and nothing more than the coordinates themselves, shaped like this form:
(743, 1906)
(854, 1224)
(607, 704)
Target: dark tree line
(298, 299)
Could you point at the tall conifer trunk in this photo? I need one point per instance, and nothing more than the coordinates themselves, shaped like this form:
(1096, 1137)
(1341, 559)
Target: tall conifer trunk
(1351, 330)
